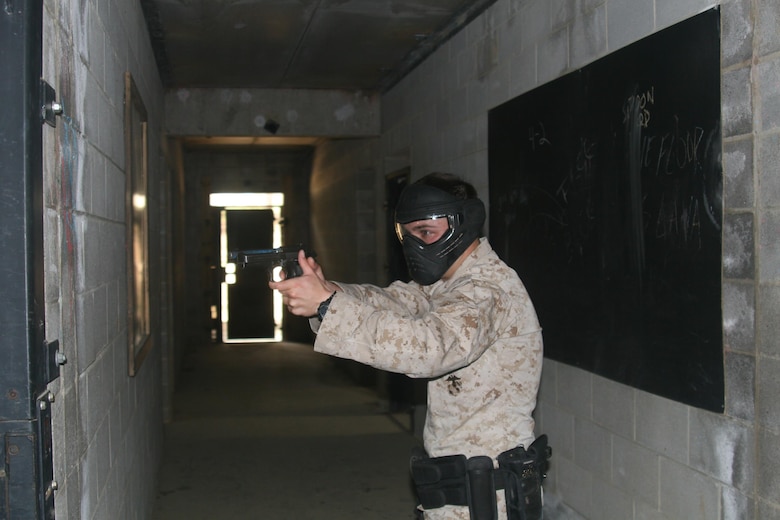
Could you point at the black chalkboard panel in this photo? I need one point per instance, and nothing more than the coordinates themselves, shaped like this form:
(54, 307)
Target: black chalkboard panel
(605, 196)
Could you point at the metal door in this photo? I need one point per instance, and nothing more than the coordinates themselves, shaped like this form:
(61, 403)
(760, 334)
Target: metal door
(28, 362)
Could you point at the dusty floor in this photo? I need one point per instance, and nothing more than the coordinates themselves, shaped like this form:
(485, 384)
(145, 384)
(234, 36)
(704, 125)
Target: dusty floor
(276, 431)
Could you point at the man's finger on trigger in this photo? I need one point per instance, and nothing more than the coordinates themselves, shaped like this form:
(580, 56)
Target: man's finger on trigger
(304, 262)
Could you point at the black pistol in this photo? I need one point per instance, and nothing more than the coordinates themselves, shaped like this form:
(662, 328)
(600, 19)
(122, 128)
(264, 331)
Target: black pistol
(285, 257)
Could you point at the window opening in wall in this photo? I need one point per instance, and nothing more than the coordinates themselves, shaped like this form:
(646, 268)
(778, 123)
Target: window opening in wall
(249, 311)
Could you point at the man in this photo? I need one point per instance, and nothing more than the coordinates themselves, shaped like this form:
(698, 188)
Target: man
(465, 322)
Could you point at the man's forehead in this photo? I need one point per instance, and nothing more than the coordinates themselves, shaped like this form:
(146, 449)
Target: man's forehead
(433, 221)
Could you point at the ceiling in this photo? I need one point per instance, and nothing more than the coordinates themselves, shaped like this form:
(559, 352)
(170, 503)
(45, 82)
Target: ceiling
(307, 44)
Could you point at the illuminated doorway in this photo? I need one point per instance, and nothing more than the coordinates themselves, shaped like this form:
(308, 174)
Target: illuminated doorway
(250, 312)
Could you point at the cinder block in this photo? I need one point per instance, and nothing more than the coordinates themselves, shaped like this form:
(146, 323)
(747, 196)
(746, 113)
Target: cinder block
(737, 100)
(738, 190)
(767, 21)
(467, 66)
(767, 509)
(635, 470)
(90, 484)
(102, 448)
(739, 317)
(93, 50)
(548, 387)
(769, 169)
(686, 493)
(740, 375)
(477, 106)
(87, 344)
(559, 427)
(554, 50)
(574, 486)
(593, 448)
(613, 406)
(738, 246)
(610, 503)
(628, 21)
(565, 11)
(768, 476)
(769, 247)
(736, 506)
(534, 21)
(644, 511)
(662, 425)
(669, 12)
(722, 447)
(767, 324)
(509, 41)
(561, 13)
(736, 32)
(768, 74)
(522, 72)
(768, 379)
(588, 39)
(51, 262)
(575, 390)
(496, 87)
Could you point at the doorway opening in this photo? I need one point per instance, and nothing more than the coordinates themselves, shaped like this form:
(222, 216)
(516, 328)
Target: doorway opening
(249, 311)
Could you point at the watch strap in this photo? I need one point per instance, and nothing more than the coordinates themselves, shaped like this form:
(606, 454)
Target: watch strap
(323, 308)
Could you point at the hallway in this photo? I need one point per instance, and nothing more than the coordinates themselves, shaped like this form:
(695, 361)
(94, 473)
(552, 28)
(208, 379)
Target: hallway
(276, 431)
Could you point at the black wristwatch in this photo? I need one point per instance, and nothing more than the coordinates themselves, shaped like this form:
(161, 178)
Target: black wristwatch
(323, 308)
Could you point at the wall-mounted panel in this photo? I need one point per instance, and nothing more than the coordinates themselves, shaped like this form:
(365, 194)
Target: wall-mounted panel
(605, 196)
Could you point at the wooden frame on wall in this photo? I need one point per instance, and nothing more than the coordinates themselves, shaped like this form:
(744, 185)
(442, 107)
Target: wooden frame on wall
(137, 225)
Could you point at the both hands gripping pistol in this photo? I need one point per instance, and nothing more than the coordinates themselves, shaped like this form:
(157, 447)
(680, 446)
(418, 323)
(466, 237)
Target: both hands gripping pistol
(285, 257)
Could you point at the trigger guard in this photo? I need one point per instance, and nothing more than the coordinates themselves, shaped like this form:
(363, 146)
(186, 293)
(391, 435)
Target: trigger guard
(274, 273)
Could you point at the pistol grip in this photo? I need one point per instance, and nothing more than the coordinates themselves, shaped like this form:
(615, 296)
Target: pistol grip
(292, 269)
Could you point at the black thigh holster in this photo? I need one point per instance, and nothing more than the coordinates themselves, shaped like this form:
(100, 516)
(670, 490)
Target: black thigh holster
(473, 482)
(524, 471)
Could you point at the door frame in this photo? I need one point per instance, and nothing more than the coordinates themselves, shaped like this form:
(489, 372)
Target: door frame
(246, 201)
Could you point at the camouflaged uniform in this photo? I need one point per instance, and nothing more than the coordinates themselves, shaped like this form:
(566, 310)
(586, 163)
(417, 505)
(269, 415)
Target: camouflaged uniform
(475, 335)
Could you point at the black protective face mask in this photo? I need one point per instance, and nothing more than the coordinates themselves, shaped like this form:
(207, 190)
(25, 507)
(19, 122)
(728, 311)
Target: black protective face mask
(427, 263)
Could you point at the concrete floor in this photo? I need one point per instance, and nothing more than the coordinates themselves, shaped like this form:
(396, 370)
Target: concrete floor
(276, 431)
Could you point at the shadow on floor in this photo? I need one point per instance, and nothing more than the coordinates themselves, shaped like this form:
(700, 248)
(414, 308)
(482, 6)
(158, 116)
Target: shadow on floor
(276, 431)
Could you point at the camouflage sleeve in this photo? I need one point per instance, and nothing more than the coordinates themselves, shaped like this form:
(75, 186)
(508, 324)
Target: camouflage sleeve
(400, 298)
(392, 330)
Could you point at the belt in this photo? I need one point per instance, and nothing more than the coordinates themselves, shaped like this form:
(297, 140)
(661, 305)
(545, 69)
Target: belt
(473, 482)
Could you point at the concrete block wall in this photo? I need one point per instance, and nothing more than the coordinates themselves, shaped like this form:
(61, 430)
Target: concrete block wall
(107, 426)
(343, 206)
(344, 221)
(620, 453)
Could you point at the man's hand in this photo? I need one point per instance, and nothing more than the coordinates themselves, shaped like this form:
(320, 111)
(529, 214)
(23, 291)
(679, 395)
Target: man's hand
(303, 294)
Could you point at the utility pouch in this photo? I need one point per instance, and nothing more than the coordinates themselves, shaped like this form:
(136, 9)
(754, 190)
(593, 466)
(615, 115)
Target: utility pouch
(525, 471)
(482, 489)
(440, 481)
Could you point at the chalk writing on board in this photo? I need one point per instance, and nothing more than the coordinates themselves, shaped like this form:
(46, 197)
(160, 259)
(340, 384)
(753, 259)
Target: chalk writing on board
(642, 102)
(677, 157)
(538, 137)
(671, 152)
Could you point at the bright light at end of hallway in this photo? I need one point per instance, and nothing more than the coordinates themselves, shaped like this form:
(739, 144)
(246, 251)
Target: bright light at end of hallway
(246, 200)
(139, 201)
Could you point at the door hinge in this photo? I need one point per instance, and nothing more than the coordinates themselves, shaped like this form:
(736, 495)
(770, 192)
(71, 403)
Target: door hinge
(50, 108)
